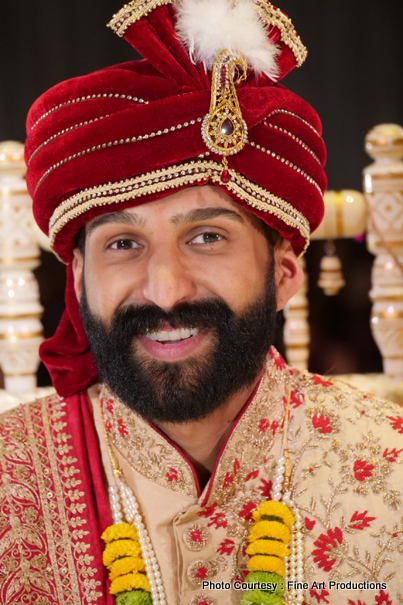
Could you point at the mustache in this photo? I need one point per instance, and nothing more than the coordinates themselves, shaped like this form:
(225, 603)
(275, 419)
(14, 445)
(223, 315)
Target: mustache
(130, 321)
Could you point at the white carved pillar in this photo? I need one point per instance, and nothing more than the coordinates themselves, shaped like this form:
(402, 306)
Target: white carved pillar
(297, 335)
(20, 309)
(383, 183)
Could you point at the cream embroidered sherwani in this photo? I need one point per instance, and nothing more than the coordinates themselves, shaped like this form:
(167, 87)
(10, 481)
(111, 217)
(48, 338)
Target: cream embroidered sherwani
(347, 480)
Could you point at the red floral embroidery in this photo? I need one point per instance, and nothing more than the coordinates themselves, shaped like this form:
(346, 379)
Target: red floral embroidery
(274, 427)
(350, 602)
(396, 423)
(240, 578)
(109, 406)
(309, 523)
(326, 544)
(237, 466)
(278, 360)
(383, 599)
(295, 401)
(226, 547)
(208, 511)
(247, 511)
(265, 488)
(360, 520)
(264, 425)
(196, 535)
(253, 475)
(227, 480)
(108, 425)
(201, 573)
(319, 380)
(219, 520)
(320, 597)
(391, 455)
(322, 423)
(362, 470)
(173, 475)
(122, 428)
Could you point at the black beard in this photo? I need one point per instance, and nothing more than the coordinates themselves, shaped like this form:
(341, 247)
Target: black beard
(189, 389)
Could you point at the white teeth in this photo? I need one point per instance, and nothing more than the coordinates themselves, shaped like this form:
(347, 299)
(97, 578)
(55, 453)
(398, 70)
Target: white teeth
(181, 334)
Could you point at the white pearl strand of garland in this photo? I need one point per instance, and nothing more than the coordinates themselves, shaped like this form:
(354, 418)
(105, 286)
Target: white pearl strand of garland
(294, 564)
(123, 497)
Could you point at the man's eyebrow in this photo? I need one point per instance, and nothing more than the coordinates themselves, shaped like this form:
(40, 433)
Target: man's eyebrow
(123, 217)
(204, 214)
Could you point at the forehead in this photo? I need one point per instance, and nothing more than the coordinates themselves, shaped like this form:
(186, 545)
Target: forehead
(179, 206)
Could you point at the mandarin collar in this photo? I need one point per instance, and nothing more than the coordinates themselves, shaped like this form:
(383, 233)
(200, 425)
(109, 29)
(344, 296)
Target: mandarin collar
(151, 453)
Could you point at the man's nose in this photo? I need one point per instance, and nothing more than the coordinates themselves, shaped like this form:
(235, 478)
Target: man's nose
(168, 282)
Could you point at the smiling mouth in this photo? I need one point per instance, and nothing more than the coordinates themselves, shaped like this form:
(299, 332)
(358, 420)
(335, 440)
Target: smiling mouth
(170, 337)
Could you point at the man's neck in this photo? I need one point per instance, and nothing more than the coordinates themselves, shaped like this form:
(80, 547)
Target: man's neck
(201, 440)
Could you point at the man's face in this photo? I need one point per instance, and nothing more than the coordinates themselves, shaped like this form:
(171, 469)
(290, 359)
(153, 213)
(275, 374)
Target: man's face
(179, 302)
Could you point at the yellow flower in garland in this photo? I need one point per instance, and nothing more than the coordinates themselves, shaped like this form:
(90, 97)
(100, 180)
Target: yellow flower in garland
(268, 547)
(123, 566)
(271, 508)
(269, 529)
(119, 532)
(267, 563)
(120, 548)
(129, 582)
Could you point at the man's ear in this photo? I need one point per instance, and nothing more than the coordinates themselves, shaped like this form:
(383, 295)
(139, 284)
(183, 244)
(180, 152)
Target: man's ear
(289, 275)
(78, 269)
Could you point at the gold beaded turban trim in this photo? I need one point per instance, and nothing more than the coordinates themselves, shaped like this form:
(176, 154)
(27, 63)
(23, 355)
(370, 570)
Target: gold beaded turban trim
(136, 132)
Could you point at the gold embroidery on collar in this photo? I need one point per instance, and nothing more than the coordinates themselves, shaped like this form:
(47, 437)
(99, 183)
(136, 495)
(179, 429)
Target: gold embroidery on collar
(154, 457)
(144, 448)
(251, 442)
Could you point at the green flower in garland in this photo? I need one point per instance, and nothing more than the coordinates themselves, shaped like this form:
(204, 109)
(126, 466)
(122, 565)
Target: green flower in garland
(258, 597)
(266, 578)
(134, 597)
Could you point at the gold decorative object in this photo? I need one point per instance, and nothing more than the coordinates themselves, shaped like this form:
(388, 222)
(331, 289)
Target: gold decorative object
(383, 182)
(224, 130)
(331, 276)
(345, 215)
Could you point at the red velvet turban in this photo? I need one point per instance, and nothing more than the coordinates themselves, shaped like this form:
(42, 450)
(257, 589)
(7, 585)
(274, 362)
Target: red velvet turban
(132, 133)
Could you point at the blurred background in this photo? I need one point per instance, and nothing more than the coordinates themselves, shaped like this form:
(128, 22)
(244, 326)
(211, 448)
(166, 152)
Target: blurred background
(353, 77)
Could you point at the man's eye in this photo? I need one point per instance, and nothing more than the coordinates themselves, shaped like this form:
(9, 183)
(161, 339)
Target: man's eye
(206, 238)
(124, 244)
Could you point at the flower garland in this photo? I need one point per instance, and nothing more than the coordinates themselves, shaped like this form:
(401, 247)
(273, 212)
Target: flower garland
(122, 556)
(133, 567)
(276, 542)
